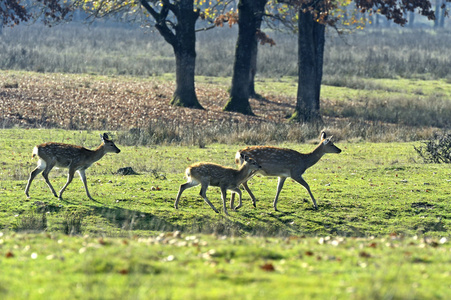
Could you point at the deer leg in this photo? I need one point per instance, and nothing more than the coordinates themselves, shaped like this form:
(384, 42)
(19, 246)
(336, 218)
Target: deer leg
(248, 190)
(237, 191)
(224, 198)
(183, 187)
(280, 183)
(45, 174)
(203, 193)
(305, 184)
(33, 174)
(83, 179)
(232, 200)
(69, 180)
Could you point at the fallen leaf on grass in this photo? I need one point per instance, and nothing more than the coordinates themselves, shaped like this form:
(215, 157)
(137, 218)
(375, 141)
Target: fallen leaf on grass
(268, 267)
(372, 245)
(364, 254)
(81, 105)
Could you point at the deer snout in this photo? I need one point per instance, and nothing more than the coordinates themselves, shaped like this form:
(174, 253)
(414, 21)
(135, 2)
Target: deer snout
(115, 149)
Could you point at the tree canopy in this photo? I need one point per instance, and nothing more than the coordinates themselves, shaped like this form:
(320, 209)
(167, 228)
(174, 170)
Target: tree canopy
(14, 12)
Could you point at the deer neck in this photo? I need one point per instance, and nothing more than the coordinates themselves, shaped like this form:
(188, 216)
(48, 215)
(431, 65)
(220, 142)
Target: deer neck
(98, 153)
(243, 173)
(314, 156)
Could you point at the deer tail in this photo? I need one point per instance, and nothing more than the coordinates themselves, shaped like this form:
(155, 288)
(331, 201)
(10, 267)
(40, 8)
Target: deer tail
(35, 152)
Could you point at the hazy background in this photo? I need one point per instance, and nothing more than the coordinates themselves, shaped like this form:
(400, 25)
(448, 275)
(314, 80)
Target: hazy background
(110, 48)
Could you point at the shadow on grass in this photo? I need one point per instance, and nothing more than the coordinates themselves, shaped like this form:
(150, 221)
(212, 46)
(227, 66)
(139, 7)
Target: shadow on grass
(265, 100)
(129, 220)
(134, 220)
(96, 219)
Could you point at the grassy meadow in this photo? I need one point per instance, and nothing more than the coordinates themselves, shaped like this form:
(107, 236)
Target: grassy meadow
(382, 228)
(370, 189)
(170, 266)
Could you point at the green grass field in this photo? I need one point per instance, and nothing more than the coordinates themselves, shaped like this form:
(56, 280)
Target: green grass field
(381, 230)
(173, 266)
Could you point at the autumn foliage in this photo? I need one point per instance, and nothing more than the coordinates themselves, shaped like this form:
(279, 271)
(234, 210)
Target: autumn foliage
(13, 12)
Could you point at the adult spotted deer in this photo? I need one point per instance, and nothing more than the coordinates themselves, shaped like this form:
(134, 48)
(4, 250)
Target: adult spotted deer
(75, 158)
(285, 163)
(226, 178)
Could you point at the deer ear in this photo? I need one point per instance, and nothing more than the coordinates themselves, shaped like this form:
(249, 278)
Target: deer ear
(104, 137)
(323, 135)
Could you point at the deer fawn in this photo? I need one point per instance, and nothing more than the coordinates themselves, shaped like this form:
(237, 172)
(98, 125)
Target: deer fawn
(285, 163)
(75, 158)
(226, 178)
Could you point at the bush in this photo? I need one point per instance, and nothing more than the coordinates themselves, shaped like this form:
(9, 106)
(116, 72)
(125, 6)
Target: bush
(436, 150)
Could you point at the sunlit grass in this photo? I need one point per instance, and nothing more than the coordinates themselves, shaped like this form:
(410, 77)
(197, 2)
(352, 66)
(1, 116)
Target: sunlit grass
(370, 189)
(381, 229)
(178, 266)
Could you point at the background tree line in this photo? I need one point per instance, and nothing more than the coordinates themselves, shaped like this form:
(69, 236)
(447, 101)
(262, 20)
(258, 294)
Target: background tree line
(179, 20)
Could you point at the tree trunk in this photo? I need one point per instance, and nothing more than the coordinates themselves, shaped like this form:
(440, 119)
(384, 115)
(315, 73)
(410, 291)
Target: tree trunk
(185, 93)
(253, 70)
(185, 56)
(182, 37)
(437, 13)
(250, 16)
(311, 42)
(320, 41)
(254, 51)
(411, 19)
(443, 12)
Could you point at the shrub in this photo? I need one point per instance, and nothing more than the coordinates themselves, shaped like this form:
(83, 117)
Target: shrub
(436, 150)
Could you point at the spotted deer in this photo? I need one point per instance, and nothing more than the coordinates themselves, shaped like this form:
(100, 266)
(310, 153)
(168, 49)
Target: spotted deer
(285, 163)
(210, 174)
(73, 157)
